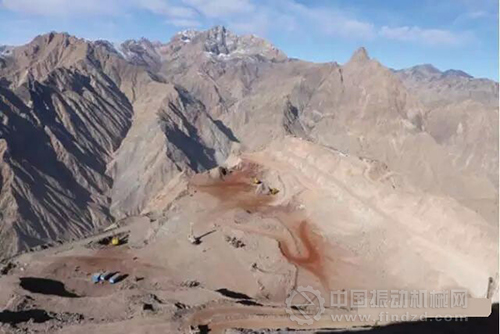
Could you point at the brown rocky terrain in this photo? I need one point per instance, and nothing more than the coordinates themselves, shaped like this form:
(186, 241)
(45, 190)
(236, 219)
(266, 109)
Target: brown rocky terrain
(386, 179)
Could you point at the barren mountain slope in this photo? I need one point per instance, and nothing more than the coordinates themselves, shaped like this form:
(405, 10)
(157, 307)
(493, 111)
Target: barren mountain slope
(360, 108)
(67, 106)
(126, 120)
(461, 114)
(382, 183)
(60, 125)
(171, 133)
(337, 223)
(436, 88)
(370, 96)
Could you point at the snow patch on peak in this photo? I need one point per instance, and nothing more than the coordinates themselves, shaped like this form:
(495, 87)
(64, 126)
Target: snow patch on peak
(112, 47)
(186, 35)
(119, 50)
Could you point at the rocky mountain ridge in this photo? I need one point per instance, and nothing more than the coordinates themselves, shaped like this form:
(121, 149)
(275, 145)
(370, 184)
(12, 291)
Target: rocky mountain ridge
(92, 132)
(436, 88)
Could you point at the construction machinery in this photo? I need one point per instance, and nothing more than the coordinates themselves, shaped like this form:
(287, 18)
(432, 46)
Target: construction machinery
(115, 241)
(192, 238)
(273, 191)
(257, 182)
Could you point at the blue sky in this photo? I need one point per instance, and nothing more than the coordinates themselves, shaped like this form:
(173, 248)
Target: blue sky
(458, 34)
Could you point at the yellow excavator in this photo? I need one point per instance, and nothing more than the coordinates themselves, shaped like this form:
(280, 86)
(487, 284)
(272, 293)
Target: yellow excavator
(115, 241)
(272, 191)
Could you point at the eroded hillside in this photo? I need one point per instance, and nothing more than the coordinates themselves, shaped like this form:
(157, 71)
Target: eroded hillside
(93, 132)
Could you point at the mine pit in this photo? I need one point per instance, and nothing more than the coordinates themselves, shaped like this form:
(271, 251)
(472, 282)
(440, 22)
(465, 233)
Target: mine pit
(300, 243)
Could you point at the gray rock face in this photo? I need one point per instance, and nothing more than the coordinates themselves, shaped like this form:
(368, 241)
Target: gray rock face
(91, 131)
(175, 135)
(141, 52)
(58, 134)
(85, 131)
(217, 43)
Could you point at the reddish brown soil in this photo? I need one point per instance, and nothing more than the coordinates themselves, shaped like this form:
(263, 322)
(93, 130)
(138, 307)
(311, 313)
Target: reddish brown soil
(302, 247)
(235, 190)
(311, 258)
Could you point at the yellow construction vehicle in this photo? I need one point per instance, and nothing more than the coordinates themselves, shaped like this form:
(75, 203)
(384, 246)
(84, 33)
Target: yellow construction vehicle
(115, 241)
(273, 191)
(256, 181)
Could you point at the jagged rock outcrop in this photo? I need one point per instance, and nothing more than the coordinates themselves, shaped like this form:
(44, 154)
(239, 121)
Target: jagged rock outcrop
(141, 52)
(216, 42)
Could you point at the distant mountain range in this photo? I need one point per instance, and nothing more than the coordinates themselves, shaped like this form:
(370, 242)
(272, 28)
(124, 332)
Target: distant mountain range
(436, 88)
